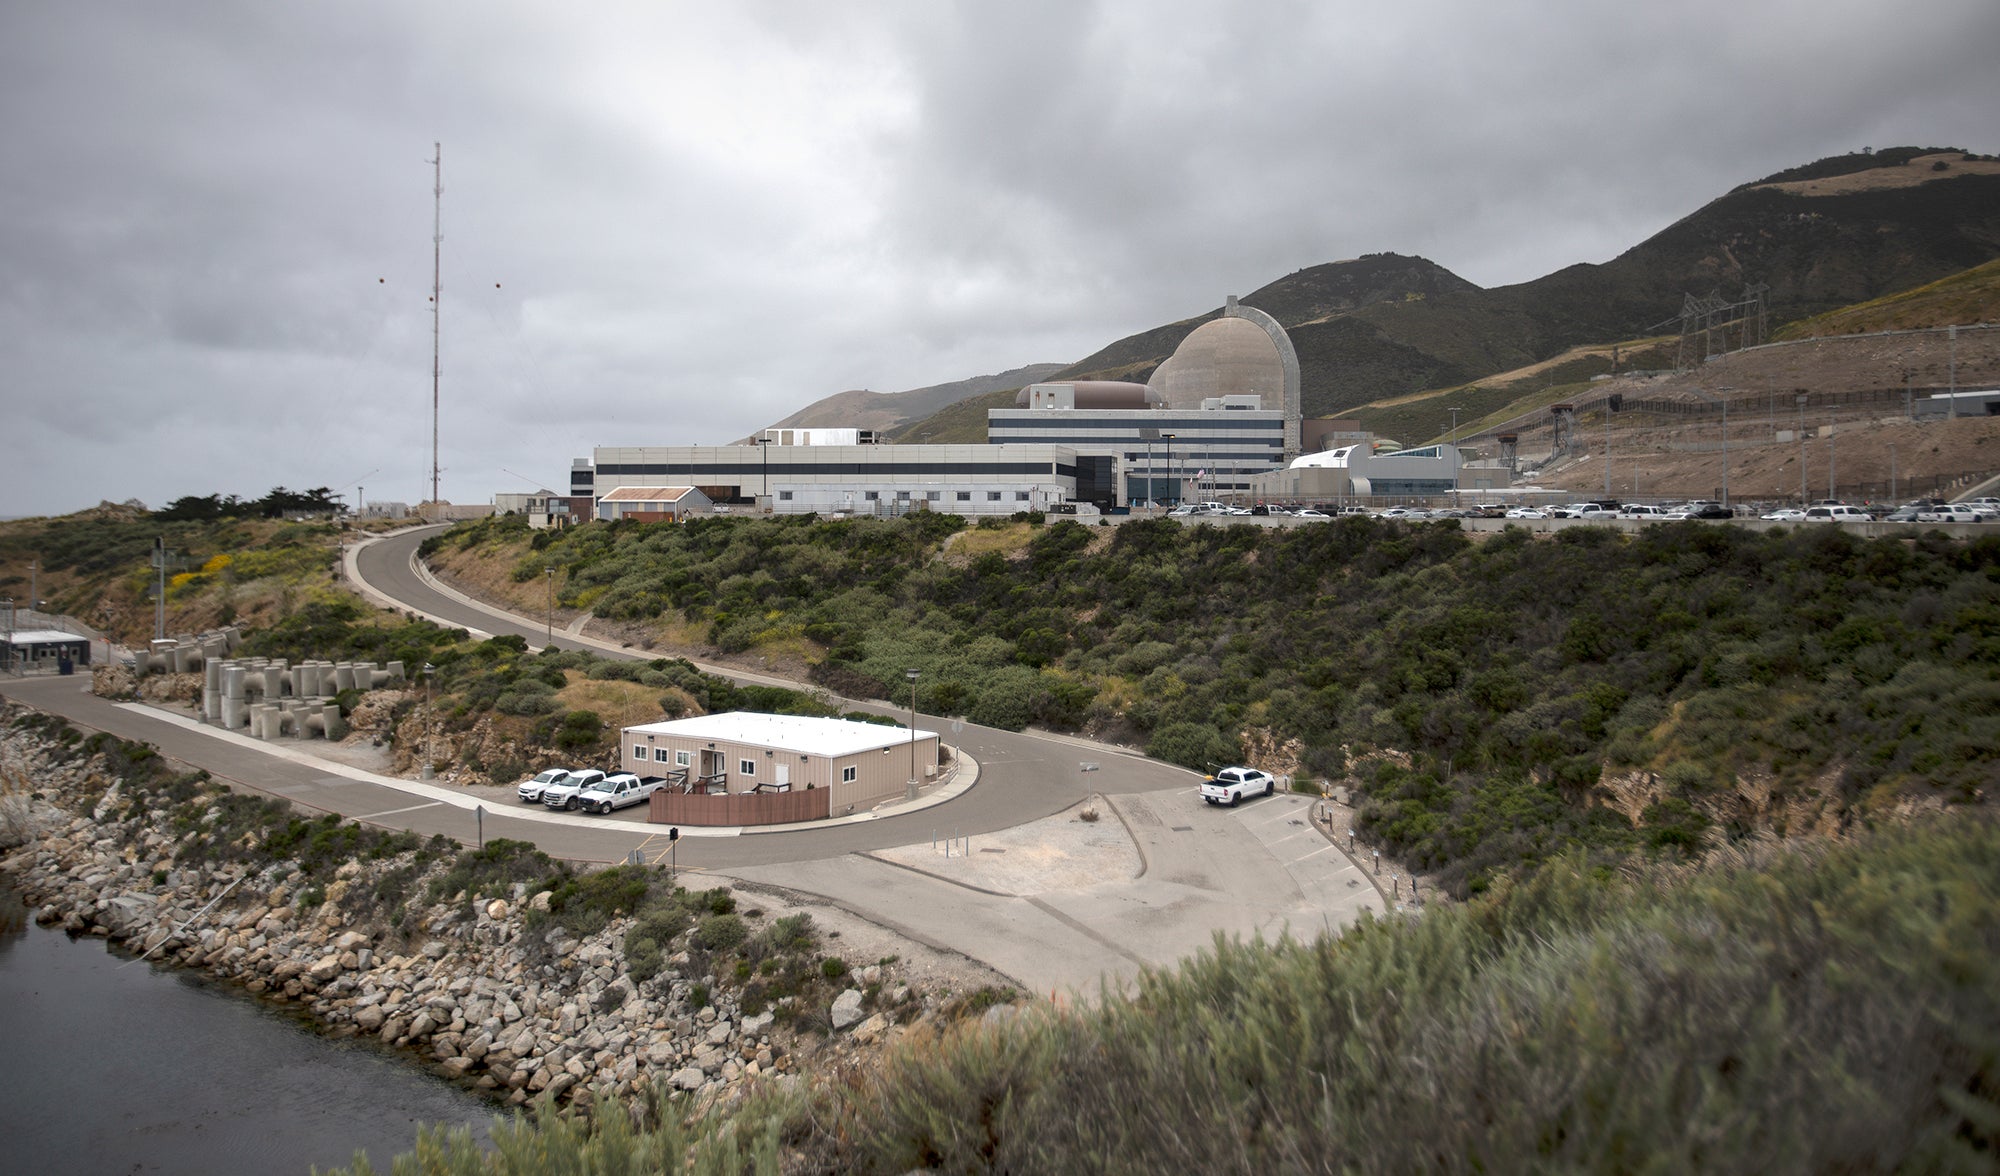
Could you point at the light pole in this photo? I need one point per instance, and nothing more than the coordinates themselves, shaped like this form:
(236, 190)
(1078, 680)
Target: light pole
(551, 572)
(1453, 439)
(430, 719)
(1169, 439)
(1892, 471)
(912, 676)
(1830, 450)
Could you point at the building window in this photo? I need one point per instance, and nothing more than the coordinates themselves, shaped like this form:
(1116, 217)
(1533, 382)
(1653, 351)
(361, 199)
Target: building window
(902, 496)
(872, 495)
(847, 774)
(784, 496)
(683, 759)
(661, 755)
(639, 752)
(965, 496)
(1020, 496)
(992, 496)
(746, 767)
(933, 495)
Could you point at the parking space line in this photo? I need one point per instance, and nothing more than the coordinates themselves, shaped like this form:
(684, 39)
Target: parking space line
(393, 812)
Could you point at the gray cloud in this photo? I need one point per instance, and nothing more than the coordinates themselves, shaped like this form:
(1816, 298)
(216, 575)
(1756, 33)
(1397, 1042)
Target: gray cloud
(671, 222)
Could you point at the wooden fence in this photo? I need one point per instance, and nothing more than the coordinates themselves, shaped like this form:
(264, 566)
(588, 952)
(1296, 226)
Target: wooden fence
(742, 808)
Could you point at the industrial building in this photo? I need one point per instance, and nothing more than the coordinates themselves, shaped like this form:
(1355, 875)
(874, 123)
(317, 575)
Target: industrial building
(847, 479)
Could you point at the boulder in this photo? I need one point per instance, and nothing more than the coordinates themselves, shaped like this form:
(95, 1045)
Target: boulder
(690, 1078)
(847, 1008)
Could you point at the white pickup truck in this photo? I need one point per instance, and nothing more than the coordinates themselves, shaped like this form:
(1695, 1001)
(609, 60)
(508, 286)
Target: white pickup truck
(563, 793)
(618, 790)
(1231, 785)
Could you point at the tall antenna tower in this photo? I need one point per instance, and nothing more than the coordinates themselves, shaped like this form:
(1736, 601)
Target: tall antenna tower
(437, 297)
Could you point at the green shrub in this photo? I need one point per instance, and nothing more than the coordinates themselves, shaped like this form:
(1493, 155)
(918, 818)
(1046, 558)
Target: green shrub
(720, 932)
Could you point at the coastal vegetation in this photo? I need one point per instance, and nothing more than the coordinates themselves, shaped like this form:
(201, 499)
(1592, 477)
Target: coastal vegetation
(1493, 702)
(1798, 1007)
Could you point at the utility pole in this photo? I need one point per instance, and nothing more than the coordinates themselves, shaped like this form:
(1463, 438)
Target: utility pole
(1829, 457)
(437, 297)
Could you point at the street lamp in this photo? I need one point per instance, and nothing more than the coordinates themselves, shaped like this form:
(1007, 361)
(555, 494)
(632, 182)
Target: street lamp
(551, 572)
(430, 720)
(912, 676)
(1453, 439)
(1173, 485)
(1892, 471)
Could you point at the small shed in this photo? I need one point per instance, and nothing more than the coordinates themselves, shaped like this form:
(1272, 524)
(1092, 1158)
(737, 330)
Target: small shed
(754, 757)
(35, 649)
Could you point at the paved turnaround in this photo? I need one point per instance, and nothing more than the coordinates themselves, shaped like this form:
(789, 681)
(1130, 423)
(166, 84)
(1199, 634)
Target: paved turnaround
(1181, 873)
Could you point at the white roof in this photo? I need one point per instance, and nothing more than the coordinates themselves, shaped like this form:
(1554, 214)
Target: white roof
(798, 733)
(42, 636)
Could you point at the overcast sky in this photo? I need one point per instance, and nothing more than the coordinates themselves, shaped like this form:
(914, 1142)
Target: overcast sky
(671, 223)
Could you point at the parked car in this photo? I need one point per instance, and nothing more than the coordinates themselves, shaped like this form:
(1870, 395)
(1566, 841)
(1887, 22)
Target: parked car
(1310, 513)
(1986, 511)
(1230, 785)
(1701, 510)
(1597, 510)
(530, 790)
(1950, 512)
(1639, 510)
(1787, 514)
(1905, 514)
(1836, 514)
(1404, 512)
(1527, 512)
(564, 793)
(617, 791)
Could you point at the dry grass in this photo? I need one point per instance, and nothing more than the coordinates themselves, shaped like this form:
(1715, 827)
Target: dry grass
(1907, 175)
(620, 704)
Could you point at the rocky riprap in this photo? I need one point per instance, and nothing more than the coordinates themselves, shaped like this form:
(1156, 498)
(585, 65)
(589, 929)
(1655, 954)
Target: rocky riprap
(525, 1014)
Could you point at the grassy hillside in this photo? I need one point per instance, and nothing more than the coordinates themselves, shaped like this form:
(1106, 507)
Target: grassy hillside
(1495, 703)
(97, 566)
(1426, 416)
(1971, 296)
